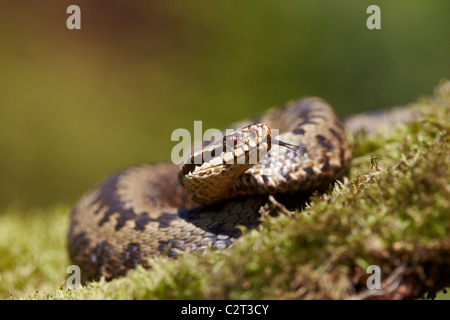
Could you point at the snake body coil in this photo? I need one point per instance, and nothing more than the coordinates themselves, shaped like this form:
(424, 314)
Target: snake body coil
(150, 210)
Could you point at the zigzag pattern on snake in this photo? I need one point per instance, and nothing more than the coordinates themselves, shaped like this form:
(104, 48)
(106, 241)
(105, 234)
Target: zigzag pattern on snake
(149, 210)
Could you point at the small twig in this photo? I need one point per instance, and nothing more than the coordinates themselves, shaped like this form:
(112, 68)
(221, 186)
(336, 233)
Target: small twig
(389, 285)
(280, 206)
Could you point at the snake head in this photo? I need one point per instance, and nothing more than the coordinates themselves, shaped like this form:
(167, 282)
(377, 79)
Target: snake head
(208, 175)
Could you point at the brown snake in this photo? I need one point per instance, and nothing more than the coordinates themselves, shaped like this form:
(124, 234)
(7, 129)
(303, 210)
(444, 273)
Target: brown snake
(149, 210)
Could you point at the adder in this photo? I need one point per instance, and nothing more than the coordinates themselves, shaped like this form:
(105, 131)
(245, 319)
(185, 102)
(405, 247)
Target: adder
(160, 209)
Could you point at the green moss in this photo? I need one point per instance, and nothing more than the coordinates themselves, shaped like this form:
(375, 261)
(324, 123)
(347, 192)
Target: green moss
(396, 216)
(32, 250)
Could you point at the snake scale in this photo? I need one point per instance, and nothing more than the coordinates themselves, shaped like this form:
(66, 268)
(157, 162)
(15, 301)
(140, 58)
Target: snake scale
(149, 210)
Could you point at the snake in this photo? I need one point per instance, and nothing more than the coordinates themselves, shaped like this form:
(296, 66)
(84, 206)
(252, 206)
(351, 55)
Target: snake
(162, 209)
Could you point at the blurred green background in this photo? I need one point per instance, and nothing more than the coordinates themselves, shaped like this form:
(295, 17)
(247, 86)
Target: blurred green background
(77, 105)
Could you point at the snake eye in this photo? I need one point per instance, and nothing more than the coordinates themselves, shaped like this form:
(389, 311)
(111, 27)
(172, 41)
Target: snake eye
(229, 142)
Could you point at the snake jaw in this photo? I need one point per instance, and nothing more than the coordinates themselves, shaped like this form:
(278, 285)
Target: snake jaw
(210, 179)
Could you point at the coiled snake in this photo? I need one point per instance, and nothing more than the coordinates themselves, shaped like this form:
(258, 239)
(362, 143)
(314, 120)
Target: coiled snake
(158, 209)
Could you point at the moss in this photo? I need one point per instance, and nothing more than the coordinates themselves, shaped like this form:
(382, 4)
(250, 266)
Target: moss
(32, 250)
(395, 215)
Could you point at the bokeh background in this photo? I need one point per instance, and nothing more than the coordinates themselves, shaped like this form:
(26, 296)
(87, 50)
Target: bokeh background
(77, 105)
